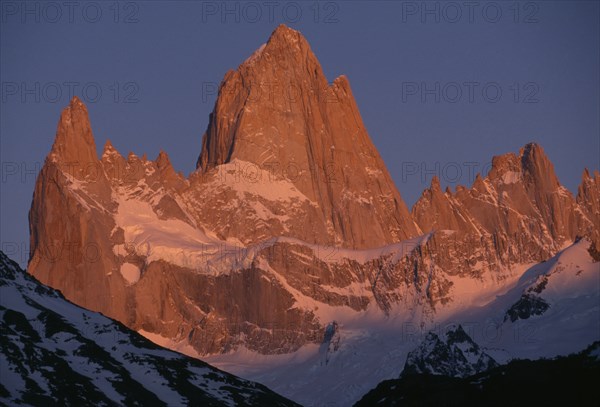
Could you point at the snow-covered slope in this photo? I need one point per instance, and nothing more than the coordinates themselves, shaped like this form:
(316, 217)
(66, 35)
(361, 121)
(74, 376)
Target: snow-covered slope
(553, 309)
(370, 348)
(53, 352)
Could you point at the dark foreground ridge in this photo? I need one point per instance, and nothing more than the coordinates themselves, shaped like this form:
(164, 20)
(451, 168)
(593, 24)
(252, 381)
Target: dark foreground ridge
(53, 352)
(564, 381)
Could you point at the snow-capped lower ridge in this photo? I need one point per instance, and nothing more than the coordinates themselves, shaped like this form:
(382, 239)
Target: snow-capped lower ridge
(453, 354)
(53, 352)
(566, 380)
(359, 352)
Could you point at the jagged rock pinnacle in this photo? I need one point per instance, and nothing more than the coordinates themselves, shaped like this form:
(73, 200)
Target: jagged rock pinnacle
(74, 143)
(278, 110)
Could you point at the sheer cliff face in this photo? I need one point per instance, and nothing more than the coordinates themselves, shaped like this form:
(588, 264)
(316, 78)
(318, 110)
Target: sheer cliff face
(588, 199)
(65, 221)
(278, 113)
(290, 218)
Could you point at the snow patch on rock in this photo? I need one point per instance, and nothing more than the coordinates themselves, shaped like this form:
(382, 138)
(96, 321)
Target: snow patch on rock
(130, 272)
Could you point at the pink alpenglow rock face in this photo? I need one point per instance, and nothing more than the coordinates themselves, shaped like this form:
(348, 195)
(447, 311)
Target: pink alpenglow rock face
(520, 209)
(277, 113)
(290, 222)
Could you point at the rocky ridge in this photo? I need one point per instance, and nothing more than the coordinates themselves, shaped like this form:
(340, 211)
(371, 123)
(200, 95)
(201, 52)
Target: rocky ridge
(290, 219)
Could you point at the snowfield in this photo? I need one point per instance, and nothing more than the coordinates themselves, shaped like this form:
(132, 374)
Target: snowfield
(374, 348)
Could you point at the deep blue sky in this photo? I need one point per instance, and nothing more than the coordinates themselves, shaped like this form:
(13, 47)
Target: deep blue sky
(549, 50)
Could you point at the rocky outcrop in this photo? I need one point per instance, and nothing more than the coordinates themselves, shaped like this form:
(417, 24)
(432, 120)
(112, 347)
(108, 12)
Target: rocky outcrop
(331, 343)
(527, 306)
(452, 354)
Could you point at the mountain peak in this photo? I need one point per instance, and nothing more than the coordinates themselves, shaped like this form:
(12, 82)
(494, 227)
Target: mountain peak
(74, 143)
(505, 162)
(537, 168)
(589, 176)
(76, 102)
(532, 153)
(285, 40)
(435, 184)
(586, 174)
(285, 34)
(278, 110)
(162, 160)
(132, 157)
(109, 149)
(285, 46)
(458, 335)
(532, 146)
(478, 184)
(453, 354)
